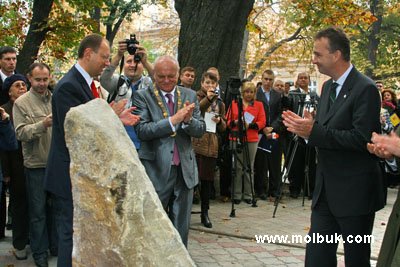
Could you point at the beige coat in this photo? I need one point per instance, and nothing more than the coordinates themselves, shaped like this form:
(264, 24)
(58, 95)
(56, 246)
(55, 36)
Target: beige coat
(29, 111)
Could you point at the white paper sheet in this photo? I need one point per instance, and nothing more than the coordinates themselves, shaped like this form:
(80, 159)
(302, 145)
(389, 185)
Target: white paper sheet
(211, 126)
(248, 118)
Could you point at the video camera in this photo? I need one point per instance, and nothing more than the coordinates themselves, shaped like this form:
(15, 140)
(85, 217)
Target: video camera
(309, 101)
(131, 45)
(234, 84)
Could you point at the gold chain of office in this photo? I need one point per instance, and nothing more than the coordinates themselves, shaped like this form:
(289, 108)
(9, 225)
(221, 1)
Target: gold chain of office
(162, 106)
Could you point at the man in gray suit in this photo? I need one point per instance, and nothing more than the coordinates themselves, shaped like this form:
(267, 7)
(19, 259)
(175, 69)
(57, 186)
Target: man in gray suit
(169, 117)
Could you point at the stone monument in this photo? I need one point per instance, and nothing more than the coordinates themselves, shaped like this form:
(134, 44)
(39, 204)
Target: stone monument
(118, 218)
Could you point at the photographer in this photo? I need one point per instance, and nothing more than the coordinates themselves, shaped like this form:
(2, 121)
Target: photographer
(123, 86)
(206, 147)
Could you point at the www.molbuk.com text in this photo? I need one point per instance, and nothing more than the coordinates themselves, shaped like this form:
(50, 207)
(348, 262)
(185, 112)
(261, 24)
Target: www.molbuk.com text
(314, 238)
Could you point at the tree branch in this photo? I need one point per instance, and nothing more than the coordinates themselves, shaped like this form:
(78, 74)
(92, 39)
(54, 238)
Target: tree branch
(259, 64)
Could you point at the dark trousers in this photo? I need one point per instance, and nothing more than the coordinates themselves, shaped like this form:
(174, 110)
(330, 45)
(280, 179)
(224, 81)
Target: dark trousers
(205, 192)
(326, 224)
(64, 218)
(3, 210)
(41, 218)
(19, 209)
(267, 168)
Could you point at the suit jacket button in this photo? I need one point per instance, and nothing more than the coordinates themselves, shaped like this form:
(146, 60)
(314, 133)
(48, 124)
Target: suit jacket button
(172, 152)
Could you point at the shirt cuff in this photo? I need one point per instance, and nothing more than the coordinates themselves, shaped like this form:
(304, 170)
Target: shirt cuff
(172, 126)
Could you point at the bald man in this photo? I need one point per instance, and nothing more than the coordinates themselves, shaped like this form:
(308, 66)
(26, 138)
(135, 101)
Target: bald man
(169, 117)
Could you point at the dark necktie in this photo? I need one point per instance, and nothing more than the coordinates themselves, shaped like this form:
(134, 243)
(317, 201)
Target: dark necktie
(94, 90)
(175, 158)
(332, 94)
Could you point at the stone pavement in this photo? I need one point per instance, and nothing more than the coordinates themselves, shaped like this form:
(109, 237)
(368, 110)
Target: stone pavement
(231, 241)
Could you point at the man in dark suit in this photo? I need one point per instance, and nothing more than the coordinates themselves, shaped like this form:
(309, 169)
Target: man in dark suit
(169, 117)
(268, 164)
(74, 89)
(8, 63)
(348, 189)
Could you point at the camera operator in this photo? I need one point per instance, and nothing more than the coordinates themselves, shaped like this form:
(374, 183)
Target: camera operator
(297, 172)
(254, 120)
(123, 86)
(206, 147)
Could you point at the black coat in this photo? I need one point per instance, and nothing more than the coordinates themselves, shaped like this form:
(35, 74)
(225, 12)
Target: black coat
(273, 109)
(72, 90)
(348, 172)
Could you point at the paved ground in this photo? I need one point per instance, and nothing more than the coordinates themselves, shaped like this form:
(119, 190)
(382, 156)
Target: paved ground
(231, 241)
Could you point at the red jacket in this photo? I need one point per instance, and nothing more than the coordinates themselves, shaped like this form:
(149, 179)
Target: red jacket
(256, 109)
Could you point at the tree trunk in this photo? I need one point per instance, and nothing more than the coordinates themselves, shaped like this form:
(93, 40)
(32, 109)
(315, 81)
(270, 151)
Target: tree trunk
(112, 32)
(95, 15)
(36, 34)
(242, 57)
(211, 35)
(373, 39)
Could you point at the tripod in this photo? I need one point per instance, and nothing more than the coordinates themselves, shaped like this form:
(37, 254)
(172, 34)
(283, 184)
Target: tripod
(238, 145)
(308, 104)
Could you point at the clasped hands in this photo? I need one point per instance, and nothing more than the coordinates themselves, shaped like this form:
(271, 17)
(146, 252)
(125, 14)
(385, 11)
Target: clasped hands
(184, 114)
(298, 125)
(125, 114)
(384, 146)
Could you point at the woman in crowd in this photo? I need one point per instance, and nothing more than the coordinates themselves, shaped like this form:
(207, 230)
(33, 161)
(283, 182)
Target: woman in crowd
(253, 120)
(389, 101)
(206, 147)
(13, 173)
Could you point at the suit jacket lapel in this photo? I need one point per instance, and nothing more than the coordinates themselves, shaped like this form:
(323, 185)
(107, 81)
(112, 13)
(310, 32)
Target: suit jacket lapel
(82, 81)
(341, 98)
(261, 96)
(176, 99)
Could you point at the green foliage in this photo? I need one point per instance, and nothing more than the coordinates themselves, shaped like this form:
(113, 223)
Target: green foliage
(67, 29)
(84, 5)
(151, 55)
(275, 21)
(388, 51)
(114, 10)
(14, 22)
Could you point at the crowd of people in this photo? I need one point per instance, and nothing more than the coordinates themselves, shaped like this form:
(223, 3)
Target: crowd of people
(185, 138)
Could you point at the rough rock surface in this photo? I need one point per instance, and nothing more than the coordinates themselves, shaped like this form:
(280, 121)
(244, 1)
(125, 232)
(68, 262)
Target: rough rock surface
(118, 218)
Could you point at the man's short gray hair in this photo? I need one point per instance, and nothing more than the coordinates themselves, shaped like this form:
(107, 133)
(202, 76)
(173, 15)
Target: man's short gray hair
(161, 59)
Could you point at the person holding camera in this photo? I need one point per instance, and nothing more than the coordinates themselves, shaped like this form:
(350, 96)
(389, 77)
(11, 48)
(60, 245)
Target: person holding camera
(206, 147)
(254, 119)
(123, 86)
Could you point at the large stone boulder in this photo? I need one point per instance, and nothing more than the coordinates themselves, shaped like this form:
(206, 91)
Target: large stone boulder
(118, 218)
